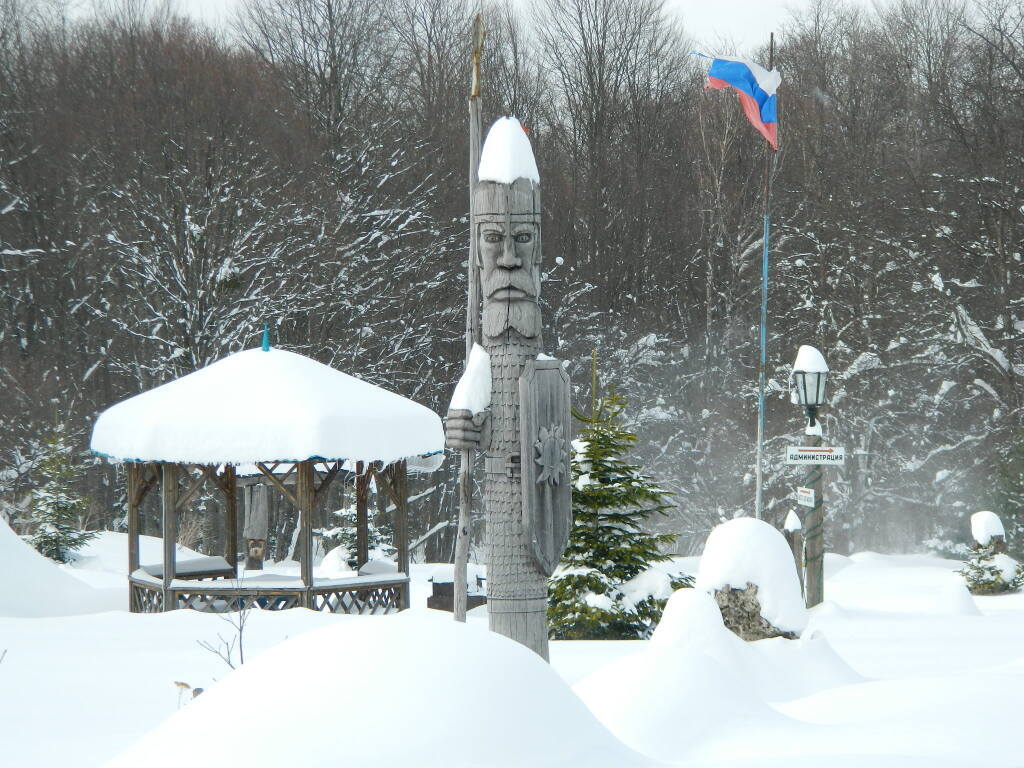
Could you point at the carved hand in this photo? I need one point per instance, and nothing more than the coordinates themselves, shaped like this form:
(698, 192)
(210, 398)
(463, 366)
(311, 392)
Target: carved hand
(464, 431)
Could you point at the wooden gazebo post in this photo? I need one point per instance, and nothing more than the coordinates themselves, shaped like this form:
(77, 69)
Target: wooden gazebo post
(362, 518)
(229, 480)
(305, 496)
(394, 479)
(169, 502)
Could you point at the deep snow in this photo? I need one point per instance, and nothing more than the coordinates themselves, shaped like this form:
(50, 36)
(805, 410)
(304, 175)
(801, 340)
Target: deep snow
(899, 667)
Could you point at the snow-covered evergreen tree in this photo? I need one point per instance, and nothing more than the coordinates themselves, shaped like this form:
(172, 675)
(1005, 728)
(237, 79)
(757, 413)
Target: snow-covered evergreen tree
(599, 590)
(988, 572)
(55, 507)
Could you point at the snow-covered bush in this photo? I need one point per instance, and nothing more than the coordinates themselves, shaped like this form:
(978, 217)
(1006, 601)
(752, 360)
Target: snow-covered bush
(55, 508)
(748, 567)
(605, 587)
(989, 570)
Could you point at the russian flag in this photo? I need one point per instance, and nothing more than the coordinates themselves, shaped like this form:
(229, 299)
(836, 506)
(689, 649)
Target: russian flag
(756, 87)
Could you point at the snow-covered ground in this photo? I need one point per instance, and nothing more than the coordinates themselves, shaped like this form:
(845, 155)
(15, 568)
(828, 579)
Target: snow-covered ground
(900, 667)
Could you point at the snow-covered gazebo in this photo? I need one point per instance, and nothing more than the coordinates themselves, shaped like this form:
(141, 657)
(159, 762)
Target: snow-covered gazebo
(299, 423)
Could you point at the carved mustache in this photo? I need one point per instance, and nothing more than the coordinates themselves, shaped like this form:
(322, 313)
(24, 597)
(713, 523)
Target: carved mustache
(520, 279)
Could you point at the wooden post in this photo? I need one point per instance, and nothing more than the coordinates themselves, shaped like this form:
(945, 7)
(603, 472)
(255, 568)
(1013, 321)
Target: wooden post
(394, 480)
(814, 531)
(462, 532)
(169, 501)
(305, 495)
(230, 480)
(134, 477)
(362, 516)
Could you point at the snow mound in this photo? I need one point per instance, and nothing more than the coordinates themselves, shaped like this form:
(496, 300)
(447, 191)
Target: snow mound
(696, 686)
(985, 525)
(507, 154)
(748, 551)
(1007, 566)
(792, 522)
(220, 414)
(430, 692)
(473, 392)
(35, 586)
(955, 599)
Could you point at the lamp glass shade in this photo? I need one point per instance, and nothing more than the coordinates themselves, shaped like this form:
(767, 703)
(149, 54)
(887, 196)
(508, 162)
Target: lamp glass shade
(808, 387)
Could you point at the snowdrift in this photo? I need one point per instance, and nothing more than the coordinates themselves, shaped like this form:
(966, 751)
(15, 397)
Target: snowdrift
(34, 586)
(412, 689)
(697, 686)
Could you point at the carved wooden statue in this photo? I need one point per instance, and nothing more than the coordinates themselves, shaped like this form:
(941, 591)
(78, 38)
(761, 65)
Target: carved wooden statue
(525, 434)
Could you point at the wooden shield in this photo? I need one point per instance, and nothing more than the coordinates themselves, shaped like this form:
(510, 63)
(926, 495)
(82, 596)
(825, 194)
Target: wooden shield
(544, 431)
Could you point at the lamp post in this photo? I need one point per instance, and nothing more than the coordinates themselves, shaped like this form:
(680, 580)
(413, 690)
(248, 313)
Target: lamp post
(807, 388)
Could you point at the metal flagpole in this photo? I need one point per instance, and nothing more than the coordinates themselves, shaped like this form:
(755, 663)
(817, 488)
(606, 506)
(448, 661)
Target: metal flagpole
(762, 362)
(460, 585)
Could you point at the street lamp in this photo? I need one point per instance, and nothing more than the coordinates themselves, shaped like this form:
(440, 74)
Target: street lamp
(807, 388)
(807, 383)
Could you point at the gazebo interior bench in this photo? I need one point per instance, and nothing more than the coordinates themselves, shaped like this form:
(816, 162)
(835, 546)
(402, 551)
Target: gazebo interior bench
(195, 568)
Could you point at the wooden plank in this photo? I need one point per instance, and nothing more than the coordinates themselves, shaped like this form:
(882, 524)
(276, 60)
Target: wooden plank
(362, 517)
(134, 478)
(169, 502)
(306, 500)
(228, 479)
(269, 474)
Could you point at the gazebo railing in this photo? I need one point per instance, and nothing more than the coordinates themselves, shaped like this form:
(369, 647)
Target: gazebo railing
(360, 595)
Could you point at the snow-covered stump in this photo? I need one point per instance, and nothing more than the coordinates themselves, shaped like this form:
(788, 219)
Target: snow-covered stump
(747, 566)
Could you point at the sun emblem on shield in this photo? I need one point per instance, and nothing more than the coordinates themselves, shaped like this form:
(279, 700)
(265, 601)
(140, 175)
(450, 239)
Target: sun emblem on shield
(551, 454)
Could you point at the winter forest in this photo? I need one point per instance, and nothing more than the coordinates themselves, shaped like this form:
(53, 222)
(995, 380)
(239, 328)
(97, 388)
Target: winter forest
(166, 189)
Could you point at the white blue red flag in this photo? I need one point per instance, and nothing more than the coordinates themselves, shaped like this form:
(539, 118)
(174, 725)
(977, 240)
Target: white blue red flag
(756, 87)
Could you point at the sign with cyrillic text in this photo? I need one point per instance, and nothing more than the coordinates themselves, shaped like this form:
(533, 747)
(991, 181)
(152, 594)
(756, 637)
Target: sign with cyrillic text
(800, 454)
(805, 497)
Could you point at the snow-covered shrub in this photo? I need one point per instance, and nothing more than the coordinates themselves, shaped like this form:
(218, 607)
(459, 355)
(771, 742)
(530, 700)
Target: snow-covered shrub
(55, 508)
(748, 567)
(989, 570)
(605, 587)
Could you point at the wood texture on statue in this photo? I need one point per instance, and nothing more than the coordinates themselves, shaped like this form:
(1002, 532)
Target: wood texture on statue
(516, 585)
(545, 432)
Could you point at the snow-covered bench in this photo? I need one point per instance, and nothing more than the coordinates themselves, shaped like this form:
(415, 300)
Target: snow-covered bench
(195, 568)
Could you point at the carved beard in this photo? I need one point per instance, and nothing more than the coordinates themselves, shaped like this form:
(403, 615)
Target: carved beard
(520, 316)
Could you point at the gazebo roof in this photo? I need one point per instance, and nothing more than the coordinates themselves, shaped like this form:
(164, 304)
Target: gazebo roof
(268, 406)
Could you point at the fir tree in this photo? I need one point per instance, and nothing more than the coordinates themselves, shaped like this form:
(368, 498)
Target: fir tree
(589, 596)
(55, 507)
(991, 572)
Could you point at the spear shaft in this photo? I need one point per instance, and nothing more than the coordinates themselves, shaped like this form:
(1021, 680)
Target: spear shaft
(460, 587)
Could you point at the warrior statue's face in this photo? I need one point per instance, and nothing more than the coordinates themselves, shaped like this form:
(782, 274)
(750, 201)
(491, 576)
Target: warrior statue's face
(510, 276)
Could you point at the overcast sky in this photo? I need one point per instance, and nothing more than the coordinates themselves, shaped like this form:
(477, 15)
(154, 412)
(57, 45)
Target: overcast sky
(714, 24)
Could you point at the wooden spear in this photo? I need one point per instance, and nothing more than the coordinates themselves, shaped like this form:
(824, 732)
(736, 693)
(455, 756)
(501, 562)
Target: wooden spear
(460, 586)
